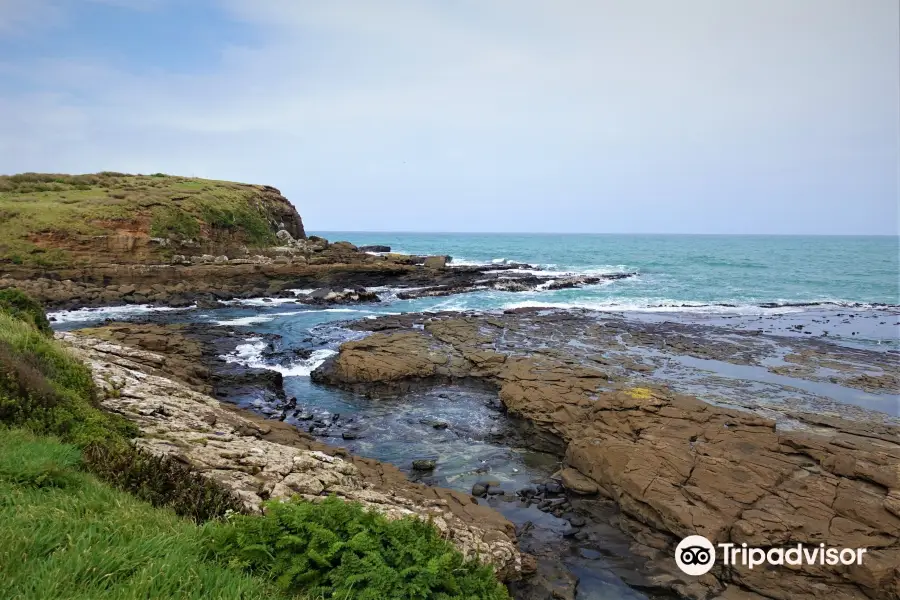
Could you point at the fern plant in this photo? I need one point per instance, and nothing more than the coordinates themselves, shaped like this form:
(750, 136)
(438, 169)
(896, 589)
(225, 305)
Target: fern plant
(336, 549)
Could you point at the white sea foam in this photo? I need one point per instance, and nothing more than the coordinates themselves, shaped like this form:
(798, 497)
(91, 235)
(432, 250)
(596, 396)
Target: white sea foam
(457, 261)
(260, 302)
(655, 307)
(109, 312)
(253, 319)
(249, 354)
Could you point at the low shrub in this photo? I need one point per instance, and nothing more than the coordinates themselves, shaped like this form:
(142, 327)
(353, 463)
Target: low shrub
(18, 304)
(173, 222)
(250, 222)
(336, 549)
(47, 390)
(161, 481)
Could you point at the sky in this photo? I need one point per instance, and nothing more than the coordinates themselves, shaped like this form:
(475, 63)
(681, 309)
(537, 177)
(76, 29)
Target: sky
(637, 116)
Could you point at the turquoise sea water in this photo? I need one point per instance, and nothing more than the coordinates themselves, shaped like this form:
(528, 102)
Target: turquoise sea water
(678, 269)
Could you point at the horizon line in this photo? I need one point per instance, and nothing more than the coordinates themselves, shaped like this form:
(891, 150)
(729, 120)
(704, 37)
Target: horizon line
(385, 231)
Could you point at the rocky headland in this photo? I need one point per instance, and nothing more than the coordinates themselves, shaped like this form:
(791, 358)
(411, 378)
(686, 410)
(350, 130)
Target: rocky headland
(111, 238)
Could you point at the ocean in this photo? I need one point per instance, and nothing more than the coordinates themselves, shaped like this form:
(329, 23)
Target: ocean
(804, 280)
(746, 270)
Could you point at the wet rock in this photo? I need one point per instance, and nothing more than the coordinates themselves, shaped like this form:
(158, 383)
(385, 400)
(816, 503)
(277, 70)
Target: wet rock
(551, 581)
(260, 460)
(479, 489)
(575, 520)
(553, 487)
(674, 464)
(436, 262)
(528, 492)
(375, 248)
(424, 464)
(574, 481)
(327, 296)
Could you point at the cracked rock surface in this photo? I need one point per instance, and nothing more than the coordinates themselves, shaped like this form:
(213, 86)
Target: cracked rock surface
(672, 463)
(260, 459)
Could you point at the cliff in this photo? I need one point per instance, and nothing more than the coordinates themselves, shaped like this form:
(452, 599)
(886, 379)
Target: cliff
(52, 220)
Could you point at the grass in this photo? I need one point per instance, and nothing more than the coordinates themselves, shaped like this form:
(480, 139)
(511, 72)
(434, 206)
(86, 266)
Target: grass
(47, 390)
(46, 219)
(19, 305)
(86, 515)
(64, 534)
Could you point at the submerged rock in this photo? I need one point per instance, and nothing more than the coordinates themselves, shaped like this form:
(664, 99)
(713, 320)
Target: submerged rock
(260, 459)
(674, 465)
(323, 296)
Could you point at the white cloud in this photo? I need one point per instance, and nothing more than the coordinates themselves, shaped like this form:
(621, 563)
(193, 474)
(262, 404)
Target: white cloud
(391, 100)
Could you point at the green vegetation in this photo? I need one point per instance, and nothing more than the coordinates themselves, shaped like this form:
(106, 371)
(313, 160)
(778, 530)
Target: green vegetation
(338, 550)
(63, 534)
(19, 305)
(86, 515)
(45, 219)
(161, 481)
(171, 222)
(45, 389)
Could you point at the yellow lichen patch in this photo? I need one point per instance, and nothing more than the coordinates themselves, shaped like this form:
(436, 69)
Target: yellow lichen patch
(640, 393)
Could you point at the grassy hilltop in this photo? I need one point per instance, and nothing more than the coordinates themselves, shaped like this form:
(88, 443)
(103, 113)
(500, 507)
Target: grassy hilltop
(49, 220)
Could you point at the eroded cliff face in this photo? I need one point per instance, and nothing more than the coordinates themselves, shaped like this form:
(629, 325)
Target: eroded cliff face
(262, 460)
(55, 221)
(673, 464)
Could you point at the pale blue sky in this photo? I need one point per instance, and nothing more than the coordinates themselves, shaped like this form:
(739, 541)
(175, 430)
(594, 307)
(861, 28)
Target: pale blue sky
(697, 116)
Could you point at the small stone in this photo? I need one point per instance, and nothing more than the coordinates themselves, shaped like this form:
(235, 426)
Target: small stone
(424, 464)
(528, 492)
(576, 520)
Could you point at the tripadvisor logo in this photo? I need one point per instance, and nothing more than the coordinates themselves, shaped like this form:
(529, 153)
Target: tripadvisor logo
(696, 555)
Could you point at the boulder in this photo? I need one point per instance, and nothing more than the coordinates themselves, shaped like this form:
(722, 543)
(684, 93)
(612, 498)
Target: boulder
(574, 481)
(436, 262)
(284, 236)
(345, 246)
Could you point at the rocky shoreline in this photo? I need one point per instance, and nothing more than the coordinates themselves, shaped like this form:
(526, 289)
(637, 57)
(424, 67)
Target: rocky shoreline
(263, 459)
(333, 271)
(661, 465)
